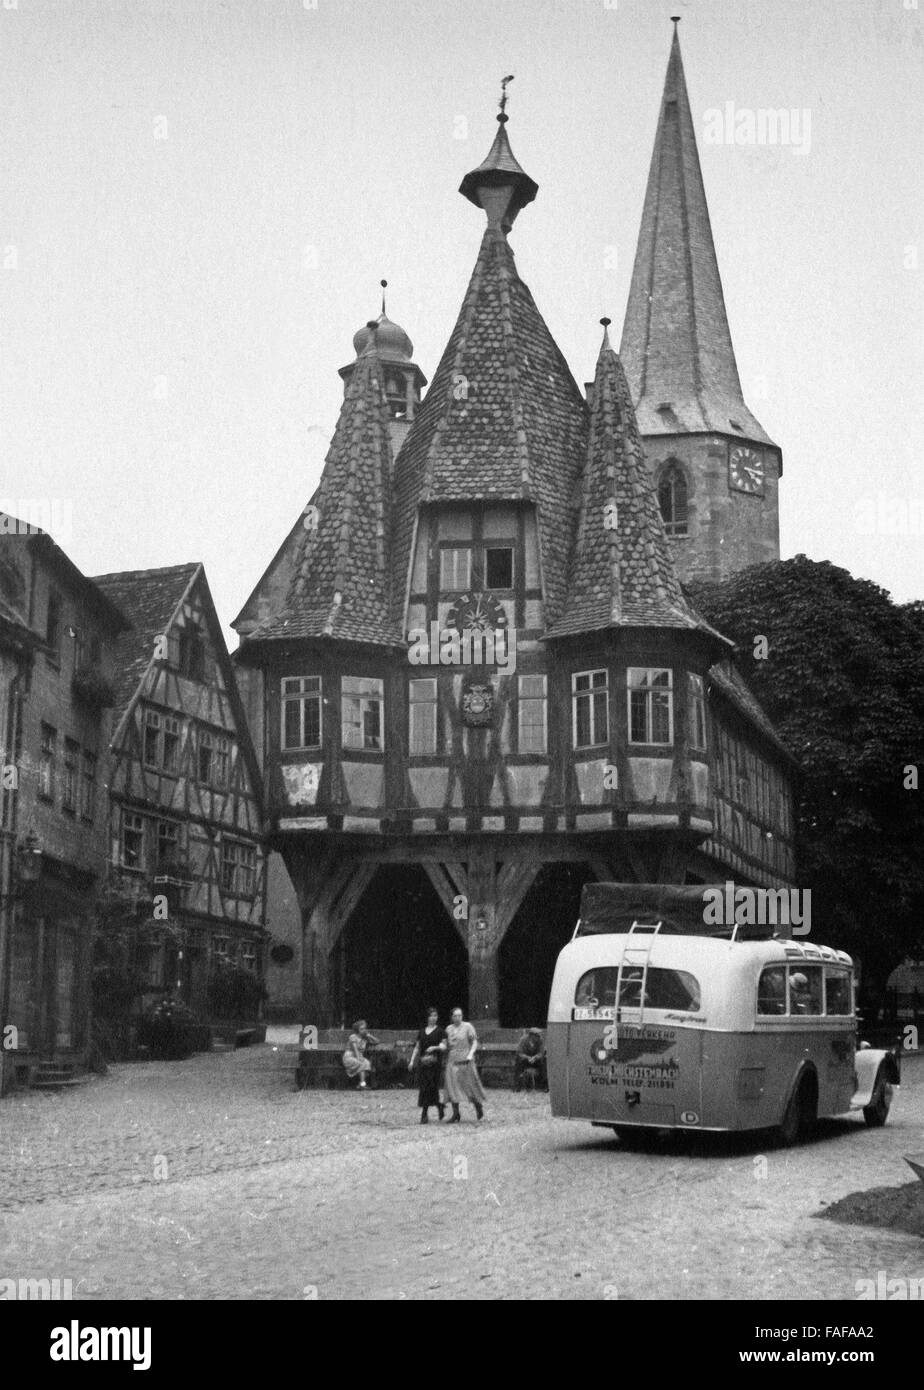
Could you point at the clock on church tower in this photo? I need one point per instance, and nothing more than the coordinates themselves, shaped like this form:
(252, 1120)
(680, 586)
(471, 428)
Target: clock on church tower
(746, 470)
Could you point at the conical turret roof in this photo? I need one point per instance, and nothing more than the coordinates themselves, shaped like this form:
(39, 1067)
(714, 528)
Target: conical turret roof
(621, 572)
(340, 584)
(503, 419)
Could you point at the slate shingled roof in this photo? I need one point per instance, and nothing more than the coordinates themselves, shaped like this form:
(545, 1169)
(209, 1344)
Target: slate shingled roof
(503, 419)
(622, 573)
(340, 583)
(148, 598)
(676, 345)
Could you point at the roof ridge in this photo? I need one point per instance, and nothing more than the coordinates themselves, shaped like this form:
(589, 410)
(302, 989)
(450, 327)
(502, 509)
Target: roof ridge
(123, 575)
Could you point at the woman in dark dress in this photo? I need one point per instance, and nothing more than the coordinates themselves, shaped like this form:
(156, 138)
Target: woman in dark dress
(428, 1057)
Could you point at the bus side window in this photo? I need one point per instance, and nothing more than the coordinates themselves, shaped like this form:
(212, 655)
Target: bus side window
(771, 990)
(837, 992)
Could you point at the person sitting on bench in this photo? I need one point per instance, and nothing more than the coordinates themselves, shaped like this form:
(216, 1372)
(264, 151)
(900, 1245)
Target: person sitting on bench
(354, 1059)
(529, 1067)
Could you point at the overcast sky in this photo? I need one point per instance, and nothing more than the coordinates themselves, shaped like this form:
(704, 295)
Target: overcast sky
(198, 200)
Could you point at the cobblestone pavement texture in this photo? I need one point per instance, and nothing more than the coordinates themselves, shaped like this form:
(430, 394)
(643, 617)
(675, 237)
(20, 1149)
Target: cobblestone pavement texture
(215, 1178)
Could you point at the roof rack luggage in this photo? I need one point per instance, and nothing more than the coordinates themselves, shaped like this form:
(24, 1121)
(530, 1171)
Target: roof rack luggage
(608, 908)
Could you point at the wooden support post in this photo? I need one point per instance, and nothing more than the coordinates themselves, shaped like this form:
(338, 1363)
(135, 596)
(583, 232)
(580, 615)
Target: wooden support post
(328, 888)
(453, 897)
(495, 892)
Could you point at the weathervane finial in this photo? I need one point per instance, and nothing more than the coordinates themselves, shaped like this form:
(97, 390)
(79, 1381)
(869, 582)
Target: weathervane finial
(503, 101)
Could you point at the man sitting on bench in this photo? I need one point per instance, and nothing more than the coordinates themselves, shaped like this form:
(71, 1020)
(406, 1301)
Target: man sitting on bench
(529, 1067)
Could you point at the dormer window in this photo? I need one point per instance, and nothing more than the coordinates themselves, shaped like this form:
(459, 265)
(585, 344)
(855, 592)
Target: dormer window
(672, 500)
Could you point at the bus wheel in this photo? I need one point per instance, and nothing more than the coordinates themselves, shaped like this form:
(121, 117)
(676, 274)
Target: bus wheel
(798, 1116)
(877, 1112)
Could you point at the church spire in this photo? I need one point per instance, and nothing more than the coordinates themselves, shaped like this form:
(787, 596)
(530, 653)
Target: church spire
(499, 185)
(676, 344)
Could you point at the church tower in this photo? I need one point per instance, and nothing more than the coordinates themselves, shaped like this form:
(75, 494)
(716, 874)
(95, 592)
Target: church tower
(715, 469)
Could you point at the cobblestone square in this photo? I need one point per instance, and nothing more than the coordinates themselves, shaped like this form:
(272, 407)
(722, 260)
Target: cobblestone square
(214, 1178)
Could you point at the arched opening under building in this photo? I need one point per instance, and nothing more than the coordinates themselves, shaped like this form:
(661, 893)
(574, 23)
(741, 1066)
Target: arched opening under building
(543, 924)
(398, 953)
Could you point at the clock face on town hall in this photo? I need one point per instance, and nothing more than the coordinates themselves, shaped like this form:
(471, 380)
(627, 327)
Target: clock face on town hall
(479, 610)
(746, 470)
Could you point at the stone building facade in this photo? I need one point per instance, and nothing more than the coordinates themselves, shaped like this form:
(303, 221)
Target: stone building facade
(57, 717)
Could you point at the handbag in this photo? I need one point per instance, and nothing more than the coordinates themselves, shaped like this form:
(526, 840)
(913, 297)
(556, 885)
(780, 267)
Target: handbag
(430, 1059)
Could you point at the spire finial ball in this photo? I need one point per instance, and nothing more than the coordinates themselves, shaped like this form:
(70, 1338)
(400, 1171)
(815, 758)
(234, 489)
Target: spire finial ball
(606, 322)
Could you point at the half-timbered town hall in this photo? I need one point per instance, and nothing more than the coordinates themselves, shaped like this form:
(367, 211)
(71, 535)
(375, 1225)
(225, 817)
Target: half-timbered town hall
(479, 679)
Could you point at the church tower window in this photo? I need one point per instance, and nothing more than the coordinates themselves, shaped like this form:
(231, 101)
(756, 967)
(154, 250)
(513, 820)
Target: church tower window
(672, 500)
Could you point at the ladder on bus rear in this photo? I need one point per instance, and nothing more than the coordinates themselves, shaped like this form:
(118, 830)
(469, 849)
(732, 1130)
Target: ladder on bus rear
(636, 958)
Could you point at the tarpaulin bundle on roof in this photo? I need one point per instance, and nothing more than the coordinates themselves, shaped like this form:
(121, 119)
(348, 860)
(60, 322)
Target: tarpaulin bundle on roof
(614, 907)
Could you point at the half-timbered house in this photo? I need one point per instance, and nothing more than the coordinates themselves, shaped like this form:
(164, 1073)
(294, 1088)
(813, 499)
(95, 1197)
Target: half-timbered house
(479, 679)
(185, 813)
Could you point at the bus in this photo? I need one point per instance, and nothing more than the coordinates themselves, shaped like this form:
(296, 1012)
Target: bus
(657, 1020)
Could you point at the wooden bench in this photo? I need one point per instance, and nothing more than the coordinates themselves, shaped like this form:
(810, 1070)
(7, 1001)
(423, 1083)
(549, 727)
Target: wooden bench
(322, 1066)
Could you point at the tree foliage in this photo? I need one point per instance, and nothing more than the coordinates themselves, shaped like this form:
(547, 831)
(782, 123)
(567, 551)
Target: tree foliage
(843, 682)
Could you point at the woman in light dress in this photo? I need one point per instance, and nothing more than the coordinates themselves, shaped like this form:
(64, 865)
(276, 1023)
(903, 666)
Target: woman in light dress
(354, 1059)
(462, 1079)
